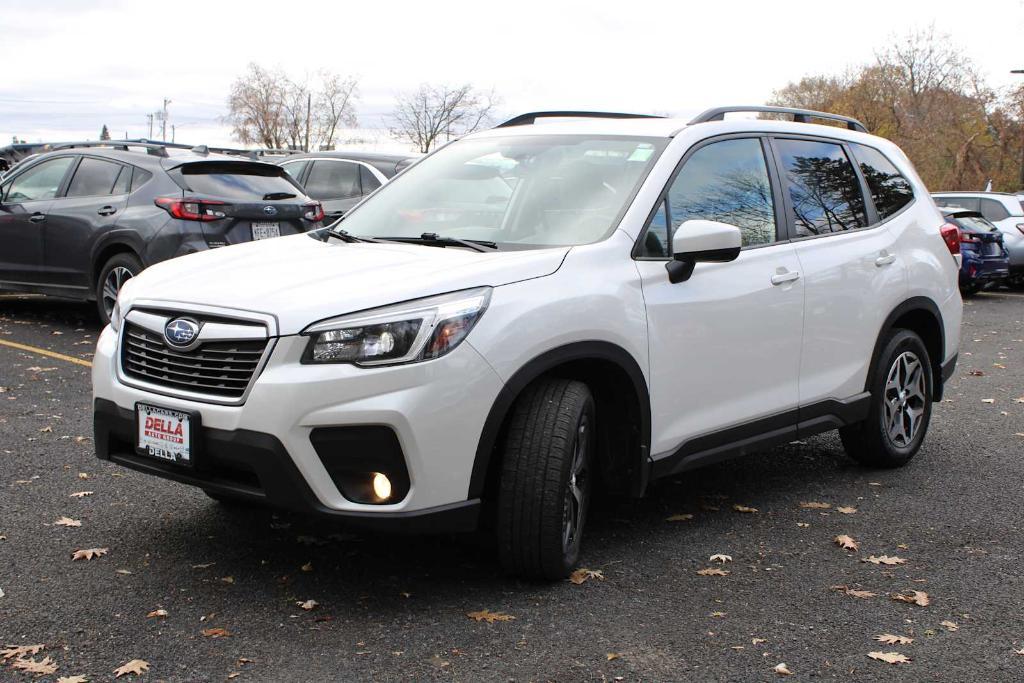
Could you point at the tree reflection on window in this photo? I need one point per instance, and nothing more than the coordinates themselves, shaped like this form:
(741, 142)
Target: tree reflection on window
(823, 187)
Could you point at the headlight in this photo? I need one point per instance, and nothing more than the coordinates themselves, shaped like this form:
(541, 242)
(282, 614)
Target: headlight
(403, 333)
(115, 316)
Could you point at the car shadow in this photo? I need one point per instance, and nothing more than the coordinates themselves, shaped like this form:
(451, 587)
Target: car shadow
(29, 309)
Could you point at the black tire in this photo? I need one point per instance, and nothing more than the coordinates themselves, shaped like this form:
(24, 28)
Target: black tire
(539, 521)
(114, 269)
(230, 501)
(970, 289)
(876, 442)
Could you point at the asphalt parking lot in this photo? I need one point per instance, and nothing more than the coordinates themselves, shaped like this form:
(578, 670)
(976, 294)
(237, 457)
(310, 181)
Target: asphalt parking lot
(202, 592)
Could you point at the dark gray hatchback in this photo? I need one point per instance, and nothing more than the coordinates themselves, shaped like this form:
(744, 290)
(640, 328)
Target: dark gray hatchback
(80, 220)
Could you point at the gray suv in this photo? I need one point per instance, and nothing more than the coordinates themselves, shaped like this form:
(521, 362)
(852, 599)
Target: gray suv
(80, 220)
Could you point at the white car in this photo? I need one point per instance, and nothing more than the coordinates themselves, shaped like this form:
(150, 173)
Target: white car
(565, 302)
(1005, 211)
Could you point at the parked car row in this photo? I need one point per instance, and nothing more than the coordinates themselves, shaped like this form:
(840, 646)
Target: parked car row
(79, 219)
(991, 236)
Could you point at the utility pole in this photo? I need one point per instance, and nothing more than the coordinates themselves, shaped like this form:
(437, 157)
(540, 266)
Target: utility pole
(163, 126)
(149, 117)
(309, 107)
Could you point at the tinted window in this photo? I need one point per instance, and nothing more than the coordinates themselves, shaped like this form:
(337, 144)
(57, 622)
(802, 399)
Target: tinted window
(93, 177)
(367, 180)
(295, 168)
(889, 190)
(245, 181)
(823, 187)
(333, 180)
(39, 182)
(974, 224)
(139, 178)
(124, 181)
(969, 203)
(656, 239)
(727, 182)
(993, 210)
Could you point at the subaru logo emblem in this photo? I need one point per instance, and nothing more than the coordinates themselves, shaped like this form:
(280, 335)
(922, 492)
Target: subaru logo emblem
(181, 331)
(270, 211)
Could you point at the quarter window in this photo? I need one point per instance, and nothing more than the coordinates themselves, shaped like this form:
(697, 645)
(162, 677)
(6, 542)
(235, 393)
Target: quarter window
(993, 210)
(93, 177)
(39, 182)
(333, 180)
(124, 181)
(295, 168)
(724, 181)
(889, 189)
(823, 187)
(368, 181)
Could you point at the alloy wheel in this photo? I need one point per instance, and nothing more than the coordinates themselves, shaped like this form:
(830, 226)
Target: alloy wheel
(574, 506)
(904, 399)
(117, 276)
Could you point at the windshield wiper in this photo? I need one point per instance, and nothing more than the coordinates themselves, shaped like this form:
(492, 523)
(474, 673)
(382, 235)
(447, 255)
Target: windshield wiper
(278, 195)
(346, 236)
(433, 239)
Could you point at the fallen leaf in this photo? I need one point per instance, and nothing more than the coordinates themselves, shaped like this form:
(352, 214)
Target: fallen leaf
(999, 365)
(228, 579)
(216, 632)
(890, 657)
(718, 557)
(976, 373)
(80, 494)
(758, 641)
(46, 430)
(157, 613)
(854, 592)
(126, 572)
(83, 475)
(72, 679)
(583, 575)
(813, 505)
(846, 510)
(136, 666)
(67, 521)
(203, 566)
(782, 669)
(846, 542)
(1019, 652)
(43, 667)
(308, 604)
(233, 675)
(890, 639)
(803, 525)
(308, 567)
(685, 517)
(718, 615)
(489, 616)
(18, 651)
(919, 598)
(89, 553)
(884, 559)
(743, 508)
(988, 400)
(950, 626)
(612, 655)
(712, 571)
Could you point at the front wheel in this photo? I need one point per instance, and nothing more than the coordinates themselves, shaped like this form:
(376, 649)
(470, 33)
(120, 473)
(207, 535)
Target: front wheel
(546, 479)
(901, 405)
(115, 272)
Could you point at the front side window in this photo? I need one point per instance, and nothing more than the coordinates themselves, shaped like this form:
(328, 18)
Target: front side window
(93, 177)
(333, 180)
(823, 187)
(889, 189)
(519, 191)
(993, 210)
(39, 182)
(724, 181)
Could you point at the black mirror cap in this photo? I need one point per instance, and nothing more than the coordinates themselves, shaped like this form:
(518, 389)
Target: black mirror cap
(680, 268)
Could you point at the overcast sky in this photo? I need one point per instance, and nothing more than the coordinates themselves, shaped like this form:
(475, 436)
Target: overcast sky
(71, 66)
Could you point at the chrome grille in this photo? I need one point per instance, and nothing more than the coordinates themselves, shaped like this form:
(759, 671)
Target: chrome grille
(222, 369)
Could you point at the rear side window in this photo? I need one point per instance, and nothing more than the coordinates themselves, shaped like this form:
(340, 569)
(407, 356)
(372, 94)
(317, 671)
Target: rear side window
(139, 178)
(993, 210)
(889, 189)
(368, 181)
(969, 203)
(823, 187)
(295, 168)
(333, 180)
(237, 181)
(39, 182)
(94, 177)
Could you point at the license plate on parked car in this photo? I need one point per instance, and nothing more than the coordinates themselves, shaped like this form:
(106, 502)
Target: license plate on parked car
(163, 433)
(262, 231)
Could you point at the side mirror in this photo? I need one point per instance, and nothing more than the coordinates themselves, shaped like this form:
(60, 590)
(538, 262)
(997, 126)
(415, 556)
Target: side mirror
(700, 241)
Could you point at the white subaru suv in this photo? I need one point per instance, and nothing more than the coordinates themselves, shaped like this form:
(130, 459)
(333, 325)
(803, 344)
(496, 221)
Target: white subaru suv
(566, 302)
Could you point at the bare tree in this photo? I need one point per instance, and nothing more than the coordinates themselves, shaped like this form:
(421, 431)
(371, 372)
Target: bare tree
(437, 112)
(335, 107)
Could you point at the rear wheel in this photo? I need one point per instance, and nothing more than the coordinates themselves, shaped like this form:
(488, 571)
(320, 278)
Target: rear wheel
(115, 272)
(901, 405)
(546, 479)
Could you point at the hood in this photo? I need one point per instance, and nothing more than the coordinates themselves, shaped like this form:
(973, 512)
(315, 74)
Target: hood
(301, 280)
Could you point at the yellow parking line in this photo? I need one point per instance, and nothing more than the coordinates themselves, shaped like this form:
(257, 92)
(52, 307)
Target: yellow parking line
(45, 352)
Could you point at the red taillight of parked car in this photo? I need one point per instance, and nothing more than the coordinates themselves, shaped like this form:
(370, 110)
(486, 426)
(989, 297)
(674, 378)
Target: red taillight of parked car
(951, 236)
(192, 209)
(314, 212)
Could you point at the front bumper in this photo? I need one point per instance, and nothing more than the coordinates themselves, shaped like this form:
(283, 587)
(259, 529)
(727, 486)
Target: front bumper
(263, 450)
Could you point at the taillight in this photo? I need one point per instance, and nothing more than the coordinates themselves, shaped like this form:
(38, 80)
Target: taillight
(951, 236)
(314, 212)
(192, 209)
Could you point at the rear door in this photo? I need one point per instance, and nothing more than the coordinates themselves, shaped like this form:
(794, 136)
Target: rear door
(335, 182)
(852, 269)
(94, 200)
(26, 201)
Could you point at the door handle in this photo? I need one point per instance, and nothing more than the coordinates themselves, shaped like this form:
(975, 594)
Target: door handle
(885, 259)
(106, 211)
(37, 217)
(783, 278)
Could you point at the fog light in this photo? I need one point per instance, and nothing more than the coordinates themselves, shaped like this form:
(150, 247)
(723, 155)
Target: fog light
(381, 486)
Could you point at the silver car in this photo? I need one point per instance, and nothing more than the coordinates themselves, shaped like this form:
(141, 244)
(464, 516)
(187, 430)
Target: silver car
(1005, 211)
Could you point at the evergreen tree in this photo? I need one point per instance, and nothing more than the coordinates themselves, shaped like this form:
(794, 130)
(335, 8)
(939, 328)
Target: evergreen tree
(104, 134)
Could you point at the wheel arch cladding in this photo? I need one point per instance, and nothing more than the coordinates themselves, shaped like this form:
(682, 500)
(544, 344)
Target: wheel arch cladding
(623, 414)
(921, 316)
(107, 251)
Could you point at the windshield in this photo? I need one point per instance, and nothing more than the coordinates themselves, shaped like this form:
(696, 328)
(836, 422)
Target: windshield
(237, 181)
(519, 192)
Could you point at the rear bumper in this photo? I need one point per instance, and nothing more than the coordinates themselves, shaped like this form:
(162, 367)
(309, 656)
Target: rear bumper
(255, 466)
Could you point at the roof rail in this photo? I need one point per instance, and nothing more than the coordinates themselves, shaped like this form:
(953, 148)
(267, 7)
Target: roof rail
(531, 117)
(799, 115)
(155, 148)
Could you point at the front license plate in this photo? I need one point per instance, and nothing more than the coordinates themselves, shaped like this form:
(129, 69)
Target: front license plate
(262, 231)
(163, 433)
